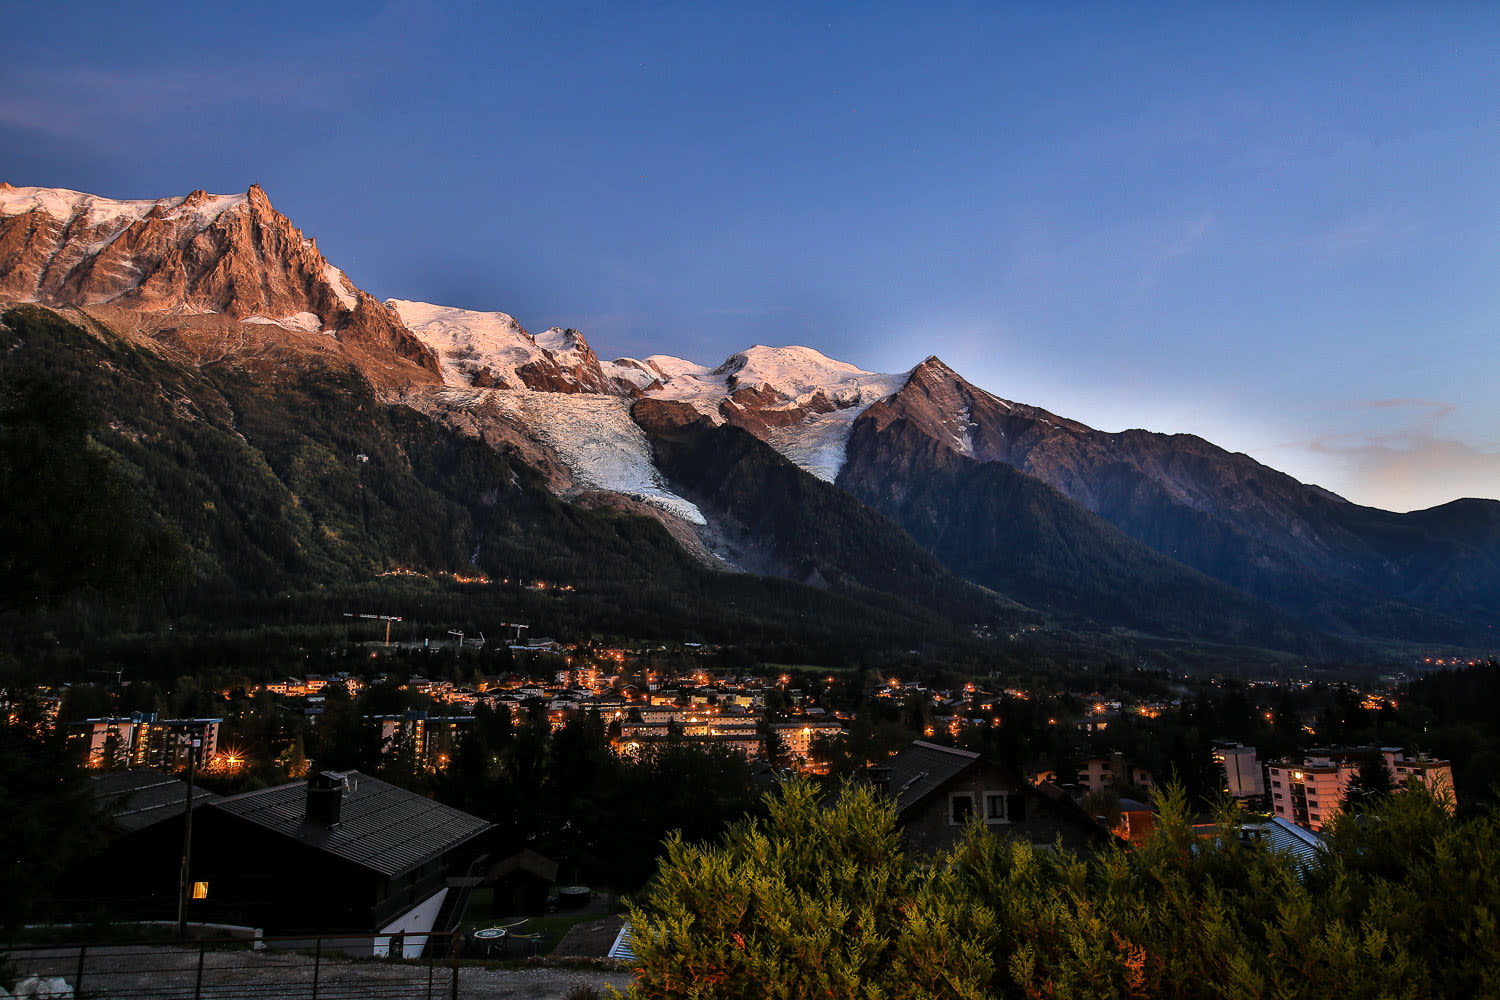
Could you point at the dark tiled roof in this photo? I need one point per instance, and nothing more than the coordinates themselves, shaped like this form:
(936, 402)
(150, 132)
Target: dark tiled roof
(921, 769)
(381, 827)
(142, 797)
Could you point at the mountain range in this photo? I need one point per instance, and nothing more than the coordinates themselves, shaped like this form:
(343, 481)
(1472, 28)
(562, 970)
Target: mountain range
(289, 429)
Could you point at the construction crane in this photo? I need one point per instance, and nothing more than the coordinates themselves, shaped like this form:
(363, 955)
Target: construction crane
(515, 626)
(384, 618)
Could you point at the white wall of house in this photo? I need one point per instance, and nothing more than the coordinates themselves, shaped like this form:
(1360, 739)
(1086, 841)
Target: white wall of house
(415, 923)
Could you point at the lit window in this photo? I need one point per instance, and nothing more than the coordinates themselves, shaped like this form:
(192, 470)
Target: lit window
(200, 890)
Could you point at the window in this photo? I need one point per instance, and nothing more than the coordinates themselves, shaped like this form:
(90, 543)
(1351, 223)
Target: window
(960, 807)
(200, 890)
(1275, 784)
(994, 807)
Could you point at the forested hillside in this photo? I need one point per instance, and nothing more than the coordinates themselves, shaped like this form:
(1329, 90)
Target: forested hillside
(200, 490)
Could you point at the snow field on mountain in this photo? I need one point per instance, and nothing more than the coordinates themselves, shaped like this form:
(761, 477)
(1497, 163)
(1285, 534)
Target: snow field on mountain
(62, 204)
(816, 443)
(597, 440)
(466, 340)
(820, 443)
(629, 371)
(306, 322)
(802, 378)
(670, 367)
(341, 286)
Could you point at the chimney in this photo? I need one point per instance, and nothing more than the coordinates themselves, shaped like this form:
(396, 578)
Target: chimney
(325, 796)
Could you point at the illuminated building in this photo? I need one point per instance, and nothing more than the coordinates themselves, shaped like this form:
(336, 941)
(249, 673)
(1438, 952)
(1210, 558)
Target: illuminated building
(142, 740)
(1310, 792)
(1244, 778)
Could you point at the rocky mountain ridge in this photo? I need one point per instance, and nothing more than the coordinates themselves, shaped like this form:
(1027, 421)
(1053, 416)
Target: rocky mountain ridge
(1016, 498)
(174, 260)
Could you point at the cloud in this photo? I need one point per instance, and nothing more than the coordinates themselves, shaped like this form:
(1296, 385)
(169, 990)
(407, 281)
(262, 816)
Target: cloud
(1190, 235)
(1414, 464)
(115, 102)
(84, 103)
(1371, 231)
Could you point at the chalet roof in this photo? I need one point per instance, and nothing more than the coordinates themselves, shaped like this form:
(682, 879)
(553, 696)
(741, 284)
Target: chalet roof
(381, 827)
(142, 797)
(922, 768)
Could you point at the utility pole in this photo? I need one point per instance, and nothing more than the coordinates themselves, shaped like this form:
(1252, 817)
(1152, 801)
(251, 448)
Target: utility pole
(184, 886)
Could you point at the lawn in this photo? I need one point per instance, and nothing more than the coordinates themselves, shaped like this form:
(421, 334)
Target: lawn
(480, 914)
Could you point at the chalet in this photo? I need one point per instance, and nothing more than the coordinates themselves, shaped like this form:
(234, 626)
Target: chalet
(137, 872)
(341, 852)
(939, 789)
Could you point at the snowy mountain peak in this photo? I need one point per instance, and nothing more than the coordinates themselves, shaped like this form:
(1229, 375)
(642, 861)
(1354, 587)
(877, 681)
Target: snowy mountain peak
(490, 350)
(559, 341)
(481, 349)
(790, 370)
(669, 367)
(67, 206)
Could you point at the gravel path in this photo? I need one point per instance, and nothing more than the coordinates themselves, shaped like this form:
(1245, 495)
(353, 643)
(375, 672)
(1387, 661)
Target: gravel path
(159, 973)
(543, 983)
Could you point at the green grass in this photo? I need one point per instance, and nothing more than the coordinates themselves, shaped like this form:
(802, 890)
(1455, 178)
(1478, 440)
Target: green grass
(480, 914)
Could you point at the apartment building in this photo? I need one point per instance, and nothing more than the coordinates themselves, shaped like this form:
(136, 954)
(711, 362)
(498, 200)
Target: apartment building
(1310, 792)
(143, 740)
(1244, 778)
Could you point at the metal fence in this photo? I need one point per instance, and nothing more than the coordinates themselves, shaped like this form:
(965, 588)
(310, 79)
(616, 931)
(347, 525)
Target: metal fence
(314, 968)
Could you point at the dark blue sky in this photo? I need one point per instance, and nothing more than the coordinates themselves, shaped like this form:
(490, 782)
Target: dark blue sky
(1274, 227)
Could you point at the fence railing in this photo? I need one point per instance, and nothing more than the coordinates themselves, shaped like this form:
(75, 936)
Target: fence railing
(300, 968)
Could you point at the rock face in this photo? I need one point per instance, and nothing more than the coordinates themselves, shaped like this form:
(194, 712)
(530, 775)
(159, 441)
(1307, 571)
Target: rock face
(919, 457)
(226, 255)
(1140, 481)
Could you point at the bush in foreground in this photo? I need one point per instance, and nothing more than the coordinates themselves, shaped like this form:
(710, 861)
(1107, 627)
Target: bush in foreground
(819, 900)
